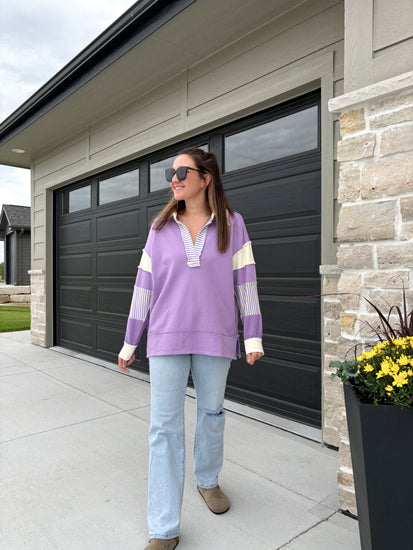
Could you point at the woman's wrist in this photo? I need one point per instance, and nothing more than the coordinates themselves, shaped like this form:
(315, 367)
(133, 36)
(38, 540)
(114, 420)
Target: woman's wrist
(127, 351)
(253, 345)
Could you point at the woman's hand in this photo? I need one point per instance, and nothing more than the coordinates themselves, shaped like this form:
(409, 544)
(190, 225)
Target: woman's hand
(252, 357)
(122, 363)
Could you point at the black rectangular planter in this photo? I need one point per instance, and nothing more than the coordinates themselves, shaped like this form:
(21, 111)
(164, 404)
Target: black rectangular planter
(381, 444)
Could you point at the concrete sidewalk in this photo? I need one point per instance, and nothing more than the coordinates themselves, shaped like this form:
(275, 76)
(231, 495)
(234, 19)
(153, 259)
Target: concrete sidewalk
(74, 458)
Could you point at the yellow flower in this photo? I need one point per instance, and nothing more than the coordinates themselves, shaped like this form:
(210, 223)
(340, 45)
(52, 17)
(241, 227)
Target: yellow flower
(395, 368)
(386, 366)
(366, 355)
(400, 379)
(398, 341)
(368, 368)
(388, 388)
(382, 345)
(380, 374)
(410, 372)
(403, 360)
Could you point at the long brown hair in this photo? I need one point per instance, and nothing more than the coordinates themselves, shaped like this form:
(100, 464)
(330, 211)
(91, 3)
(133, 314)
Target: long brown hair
(208, 164)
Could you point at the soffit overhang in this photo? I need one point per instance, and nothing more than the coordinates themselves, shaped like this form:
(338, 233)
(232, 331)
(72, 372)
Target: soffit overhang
(150, 44)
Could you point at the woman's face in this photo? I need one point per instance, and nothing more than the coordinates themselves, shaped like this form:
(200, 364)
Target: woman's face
(193, 186)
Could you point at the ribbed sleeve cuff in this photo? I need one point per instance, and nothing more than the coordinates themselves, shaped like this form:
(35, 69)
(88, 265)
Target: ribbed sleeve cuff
(127, 351)
(253, 345)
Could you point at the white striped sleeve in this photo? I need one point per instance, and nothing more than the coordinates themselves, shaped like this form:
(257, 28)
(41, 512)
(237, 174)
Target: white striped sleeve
(141, 302)
(247, 298)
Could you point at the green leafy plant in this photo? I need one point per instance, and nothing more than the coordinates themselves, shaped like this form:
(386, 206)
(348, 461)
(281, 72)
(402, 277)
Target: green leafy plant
(383, 375)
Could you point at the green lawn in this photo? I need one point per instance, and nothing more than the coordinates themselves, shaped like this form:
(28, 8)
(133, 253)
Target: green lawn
(14, 318)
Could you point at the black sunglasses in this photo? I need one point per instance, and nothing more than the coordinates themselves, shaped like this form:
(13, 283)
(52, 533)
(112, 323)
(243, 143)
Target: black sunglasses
(180, 172)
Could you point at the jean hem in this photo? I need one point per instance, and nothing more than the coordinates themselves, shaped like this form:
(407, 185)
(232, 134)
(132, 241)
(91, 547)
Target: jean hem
(164, 537)
(204, 486)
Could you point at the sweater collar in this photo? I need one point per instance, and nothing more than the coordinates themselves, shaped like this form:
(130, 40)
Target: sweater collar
(211, 219)
(175, 216)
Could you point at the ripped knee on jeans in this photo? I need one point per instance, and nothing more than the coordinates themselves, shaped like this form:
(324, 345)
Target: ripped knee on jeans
(217, 412)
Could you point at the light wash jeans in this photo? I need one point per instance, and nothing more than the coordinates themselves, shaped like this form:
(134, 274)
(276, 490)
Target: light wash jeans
(169, 377)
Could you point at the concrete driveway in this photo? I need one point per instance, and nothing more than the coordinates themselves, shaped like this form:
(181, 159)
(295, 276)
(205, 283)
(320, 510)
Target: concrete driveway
(74, 467)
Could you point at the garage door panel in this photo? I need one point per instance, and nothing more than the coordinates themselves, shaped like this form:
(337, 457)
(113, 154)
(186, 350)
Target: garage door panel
(76, 333)
(75, 233)
(292, 411)
(297, 255)
(289, 286)
(76, 265)
(279, 380)
(291, 198)
(285, 381)
(114, 301)
(109, 338)
(302, 164)
(264, 229)
(117, 226)
(299, 350)
(76, 297)
(292, 316)
(118, 263)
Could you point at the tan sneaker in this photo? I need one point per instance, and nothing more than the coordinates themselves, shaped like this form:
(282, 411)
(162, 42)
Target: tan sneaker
(215, 499)
(162, 544)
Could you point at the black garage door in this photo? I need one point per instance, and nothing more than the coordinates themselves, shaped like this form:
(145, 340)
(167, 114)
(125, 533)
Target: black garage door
(271, 173)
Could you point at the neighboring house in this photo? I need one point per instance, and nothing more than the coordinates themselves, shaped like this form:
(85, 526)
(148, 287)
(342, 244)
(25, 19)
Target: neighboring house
(257, 83)
(15, 232)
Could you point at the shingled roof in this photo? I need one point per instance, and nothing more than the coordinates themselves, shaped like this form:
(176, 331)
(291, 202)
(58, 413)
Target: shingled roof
(16, 217)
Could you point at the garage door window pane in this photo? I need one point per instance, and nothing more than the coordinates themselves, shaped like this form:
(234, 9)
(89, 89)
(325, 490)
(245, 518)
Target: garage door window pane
(78, 199)
(279, 138)
(119, 187)
(158, 180)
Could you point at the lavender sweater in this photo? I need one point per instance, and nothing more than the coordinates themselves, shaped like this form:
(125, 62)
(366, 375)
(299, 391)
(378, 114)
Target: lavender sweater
(189, 292)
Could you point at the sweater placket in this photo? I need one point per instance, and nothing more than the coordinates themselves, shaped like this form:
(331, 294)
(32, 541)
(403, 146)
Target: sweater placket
(193, 250)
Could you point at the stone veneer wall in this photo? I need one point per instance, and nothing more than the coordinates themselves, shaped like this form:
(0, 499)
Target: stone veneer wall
(375, 233)
(19, 295)
(332, 396)
(38, 307)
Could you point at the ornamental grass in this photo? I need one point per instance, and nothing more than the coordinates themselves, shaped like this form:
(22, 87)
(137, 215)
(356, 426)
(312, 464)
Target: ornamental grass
(383, 374)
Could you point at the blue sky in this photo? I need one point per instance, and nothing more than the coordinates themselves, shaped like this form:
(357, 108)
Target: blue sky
(37, 38)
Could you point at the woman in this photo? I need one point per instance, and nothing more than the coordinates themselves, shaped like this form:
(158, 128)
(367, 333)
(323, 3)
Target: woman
(197, 262)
